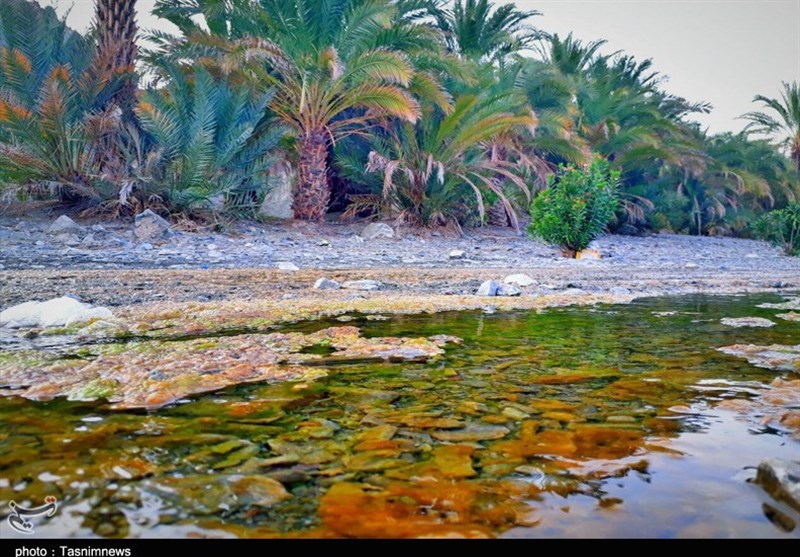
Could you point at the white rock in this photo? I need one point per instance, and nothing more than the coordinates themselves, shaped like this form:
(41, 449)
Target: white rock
(620, 291)
(746, 322)
(277, 202)
(148, 226)
(326, 284)
(287, 266)
(752, 256)
(520, 279)
(362, 285)
(487, 288)
(456, 254)
(377, 230)
(57, 312)
(64, 224)
(691, 266)
(508, 290)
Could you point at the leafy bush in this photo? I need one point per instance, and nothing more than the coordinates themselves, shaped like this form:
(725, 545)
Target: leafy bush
(576, 206)
(781, 228)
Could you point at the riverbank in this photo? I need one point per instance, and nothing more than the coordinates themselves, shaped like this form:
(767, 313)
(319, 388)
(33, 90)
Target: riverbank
(105, 264)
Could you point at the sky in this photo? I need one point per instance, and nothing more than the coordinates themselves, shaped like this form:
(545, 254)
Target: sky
(720, 51)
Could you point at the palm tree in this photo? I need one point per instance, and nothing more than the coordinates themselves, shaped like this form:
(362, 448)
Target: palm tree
(433, 169)
(477, 30)
(785, 120)
(115, 22)
(336, 67)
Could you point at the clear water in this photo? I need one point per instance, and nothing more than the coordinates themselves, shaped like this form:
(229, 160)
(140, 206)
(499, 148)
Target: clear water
(540, 424)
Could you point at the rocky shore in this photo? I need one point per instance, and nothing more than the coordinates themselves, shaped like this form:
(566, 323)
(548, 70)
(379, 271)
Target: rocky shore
(113, 264)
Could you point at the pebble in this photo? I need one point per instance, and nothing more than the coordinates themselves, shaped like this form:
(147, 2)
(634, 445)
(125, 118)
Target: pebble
(287, 266)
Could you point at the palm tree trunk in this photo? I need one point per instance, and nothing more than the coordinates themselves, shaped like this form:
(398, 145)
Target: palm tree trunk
(116, 50)
(313, 192)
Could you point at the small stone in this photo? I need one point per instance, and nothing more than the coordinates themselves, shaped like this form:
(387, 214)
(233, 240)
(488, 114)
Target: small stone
(620, 291)
(508, 290)
(691, 266)
(456, 254)
(148, 226)
(39, 242)
(324, 243)
(781, 479)
(588, 254)
(64, 224)
(326, 284)
(377, 230)
(752, 256)
(362, 285)
(520, 279)
(146, 246)
(488, 288)
(287, 266)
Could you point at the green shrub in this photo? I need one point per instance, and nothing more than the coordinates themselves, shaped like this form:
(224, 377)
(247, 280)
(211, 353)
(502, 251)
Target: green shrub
(576, 206)
(781, 228)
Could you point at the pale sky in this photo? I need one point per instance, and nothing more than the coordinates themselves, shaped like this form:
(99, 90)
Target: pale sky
(720, 51)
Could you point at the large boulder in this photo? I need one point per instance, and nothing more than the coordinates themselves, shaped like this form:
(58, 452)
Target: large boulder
(148, 227)
(57, 312)
(277, 203)
(377, 230)
(488, 288)
(64, 225)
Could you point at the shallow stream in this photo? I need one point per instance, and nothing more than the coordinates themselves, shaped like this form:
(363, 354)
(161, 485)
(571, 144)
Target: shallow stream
(581, 421)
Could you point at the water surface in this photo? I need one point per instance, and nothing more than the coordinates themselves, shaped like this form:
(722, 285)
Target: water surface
(559, 423)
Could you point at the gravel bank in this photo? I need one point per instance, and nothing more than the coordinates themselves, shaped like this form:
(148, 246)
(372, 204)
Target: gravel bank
(105, 264)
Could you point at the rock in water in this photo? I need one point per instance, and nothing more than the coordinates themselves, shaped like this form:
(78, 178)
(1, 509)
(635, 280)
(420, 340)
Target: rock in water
(508, 290)
(148, 226)
(362, 285)
(781, 479)
(520, 279)
(57, 312)
(746, 322)
(588, 254)
(326, 284)
(64, 225)
(277, 203)
(377, 230)
(488, 288)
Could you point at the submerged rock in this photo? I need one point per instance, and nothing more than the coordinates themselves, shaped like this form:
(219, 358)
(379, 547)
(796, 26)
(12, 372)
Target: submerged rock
(791, 316)
(154, 374)
(746, 322)
(789, 304)
(377, 230)
(57, 312)
(207, 495)
(148, 226)
(487, 288)
(774, 356)
(781, 479)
